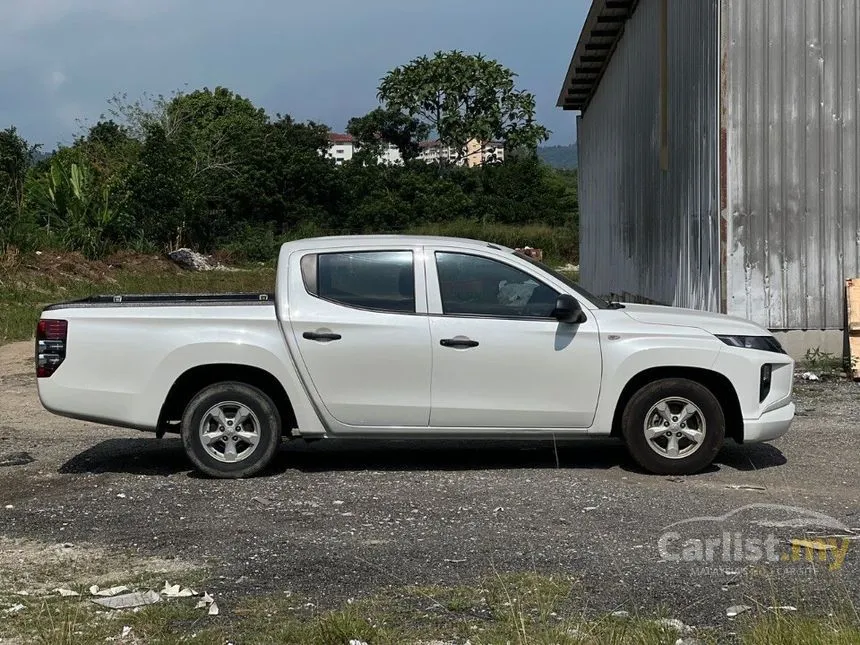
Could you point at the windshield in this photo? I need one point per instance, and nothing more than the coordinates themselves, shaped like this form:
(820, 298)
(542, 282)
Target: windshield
(600, 303)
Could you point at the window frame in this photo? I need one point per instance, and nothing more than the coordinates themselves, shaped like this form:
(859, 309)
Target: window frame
(438, 302)
(314, 268)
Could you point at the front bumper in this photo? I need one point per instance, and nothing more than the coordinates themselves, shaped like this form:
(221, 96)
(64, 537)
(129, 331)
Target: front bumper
(769, 425)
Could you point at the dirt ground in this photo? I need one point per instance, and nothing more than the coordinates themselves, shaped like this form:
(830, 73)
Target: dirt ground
(341, 519)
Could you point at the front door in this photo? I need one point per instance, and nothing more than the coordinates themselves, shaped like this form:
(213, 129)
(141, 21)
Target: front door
(363, 342)
(499, 358)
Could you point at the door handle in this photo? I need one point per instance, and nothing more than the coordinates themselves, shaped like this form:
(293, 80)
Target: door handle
(460, 343)
(321, 336)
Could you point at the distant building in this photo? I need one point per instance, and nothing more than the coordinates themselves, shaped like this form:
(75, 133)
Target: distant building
(474, 154)
(719, 147)
(477, 154)
(342, 147)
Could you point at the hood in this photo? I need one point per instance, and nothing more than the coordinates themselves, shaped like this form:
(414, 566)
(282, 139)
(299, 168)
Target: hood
(705, 320)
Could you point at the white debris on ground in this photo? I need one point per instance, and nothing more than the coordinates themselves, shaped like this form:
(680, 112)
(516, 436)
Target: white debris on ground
(66, 593)
(113, 598)
(568, 267)
(194, 261)
(129, 600)
(191, 260)
(809, 376)
(111, 591)
(734, 610)
(14, 609)
(205, 601)
(176, 591)
(675, 624)
(208, 601)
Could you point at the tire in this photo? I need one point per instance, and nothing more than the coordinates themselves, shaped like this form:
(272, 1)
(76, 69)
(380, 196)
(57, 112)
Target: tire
(231, 453)
(665, 404)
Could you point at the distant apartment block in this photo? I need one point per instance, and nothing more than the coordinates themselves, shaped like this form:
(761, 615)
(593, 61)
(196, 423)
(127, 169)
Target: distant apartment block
(342, 148)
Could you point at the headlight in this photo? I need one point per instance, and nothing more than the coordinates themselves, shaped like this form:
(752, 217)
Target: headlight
(763, 343)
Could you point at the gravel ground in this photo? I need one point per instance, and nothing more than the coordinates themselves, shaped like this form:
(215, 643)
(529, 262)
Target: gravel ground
(337, 519)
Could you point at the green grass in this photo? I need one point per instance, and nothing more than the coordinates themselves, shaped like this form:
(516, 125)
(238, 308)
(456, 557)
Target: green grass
(789, 629)
(26, 289)
(521, 608)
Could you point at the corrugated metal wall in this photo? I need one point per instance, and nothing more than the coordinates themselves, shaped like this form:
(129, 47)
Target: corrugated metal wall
(791, 100)
(646, 232)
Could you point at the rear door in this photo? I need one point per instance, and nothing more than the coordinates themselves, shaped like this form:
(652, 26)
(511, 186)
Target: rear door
(359, 319)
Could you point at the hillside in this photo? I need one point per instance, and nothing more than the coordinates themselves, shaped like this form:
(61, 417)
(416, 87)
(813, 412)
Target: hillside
(559, 156)
(564, 157)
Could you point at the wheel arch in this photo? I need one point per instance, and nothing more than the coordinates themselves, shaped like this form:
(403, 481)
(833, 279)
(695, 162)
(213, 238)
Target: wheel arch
(717, 383)
(195, 379)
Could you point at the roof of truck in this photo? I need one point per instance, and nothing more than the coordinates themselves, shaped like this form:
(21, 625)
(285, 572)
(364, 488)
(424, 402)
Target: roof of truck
(371, 240)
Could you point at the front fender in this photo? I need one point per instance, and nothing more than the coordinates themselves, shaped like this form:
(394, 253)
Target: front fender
(628, 356)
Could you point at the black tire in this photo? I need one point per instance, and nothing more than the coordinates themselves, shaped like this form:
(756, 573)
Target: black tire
(263, 416)
(641, 409)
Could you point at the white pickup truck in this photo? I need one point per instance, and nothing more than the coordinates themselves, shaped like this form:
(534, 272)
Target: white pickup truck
(424, 337)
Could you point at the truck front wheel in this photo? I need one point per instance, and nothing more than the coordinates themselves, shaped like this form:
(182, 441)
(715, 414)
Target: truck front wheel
(231, 430)
(674, 426)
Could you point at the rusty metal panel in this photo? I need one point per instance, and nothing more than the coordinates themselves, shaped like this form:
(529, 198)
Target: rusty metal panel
(791, 96)
(648, 233)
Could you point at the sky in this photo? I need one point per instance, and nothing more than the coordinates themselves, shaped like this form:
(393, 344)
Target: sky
(320, 60)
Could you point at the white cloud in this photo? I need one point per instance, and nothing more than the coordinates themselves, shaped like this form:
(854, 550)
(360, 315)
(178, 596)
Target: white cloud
(55, 80)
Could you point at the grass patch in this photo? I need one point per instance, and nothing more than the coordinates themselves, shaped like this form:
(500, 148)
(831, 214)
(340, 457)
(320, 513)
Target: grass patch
(32, 282)
(789, 629)
(560, 244)
(520, 609)
(47, 617)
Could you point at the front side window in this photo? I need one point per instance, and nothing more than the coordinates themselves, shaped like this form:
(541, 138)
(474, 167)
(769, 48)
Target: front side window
(378, 280)
(476, 286)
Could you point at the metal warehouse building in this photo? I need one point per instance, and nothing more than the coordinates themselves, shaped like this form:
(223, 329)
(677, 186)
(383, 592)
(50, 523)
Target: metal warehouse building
(718, 156)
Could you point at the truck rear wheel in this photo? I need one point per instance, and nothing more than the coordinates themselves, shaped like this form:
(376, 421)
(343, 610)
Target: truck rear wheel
(674, 426)
(231, 430)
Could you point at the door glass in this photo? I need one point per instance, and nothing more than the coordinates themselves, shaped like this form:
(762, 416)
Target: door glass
(478, 286)
(380, 280)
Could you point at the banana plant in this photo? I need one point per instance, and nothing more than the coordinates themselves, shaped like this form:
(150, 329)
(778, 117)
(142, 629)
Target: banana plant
(77, 208)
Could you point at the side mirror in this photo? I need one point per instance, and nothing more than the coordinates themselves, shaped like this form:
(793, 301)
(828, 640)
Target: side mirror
(567, 310)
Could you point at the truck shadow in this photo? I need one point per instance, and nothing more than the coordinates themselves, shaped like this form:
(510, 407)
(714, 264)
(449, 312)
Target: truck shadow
(166, 456)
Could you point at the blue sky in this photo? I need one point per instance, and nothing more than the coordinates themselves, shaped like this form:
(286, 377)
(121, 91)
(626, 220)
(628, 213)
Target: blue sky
(60, 60)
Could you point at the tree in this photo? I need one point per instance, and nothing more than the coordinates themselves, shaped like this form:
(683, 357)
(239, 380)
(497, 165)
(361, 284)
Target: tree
(388, 126)
(461, 97)
(159, 190)
(16, 158)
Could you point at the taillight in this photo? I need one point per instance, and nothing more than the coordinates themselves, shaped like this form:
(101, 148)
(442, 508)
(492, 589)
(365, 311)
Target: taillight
(51, 338)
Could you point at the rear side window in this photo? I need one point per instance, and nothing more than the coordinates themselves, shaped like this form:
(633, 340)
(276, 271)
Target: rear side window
(378, 280)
